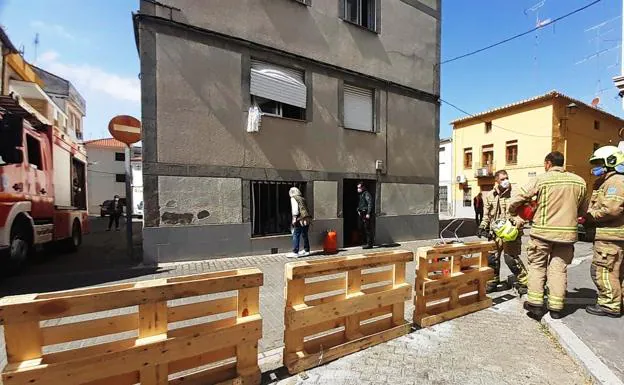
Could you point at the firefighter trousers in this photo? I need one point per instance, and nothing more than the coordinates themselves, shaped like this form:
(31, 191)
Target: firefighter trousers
(548, 263)
(607, 272)
(511, 252)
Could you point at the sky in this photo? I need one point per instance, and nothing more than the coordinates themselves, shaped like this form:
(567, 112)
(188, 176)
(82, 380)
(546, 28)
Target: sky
(91, 43)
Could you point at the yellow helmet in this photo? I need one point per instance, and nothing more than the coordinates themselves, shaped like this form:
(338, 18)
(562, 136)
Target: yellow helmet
(610, 156)
(505, 230)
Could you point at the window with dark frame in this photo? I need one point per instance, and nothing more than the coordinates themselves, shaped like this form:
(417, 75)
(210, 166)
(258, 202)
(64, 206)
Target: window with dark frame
(120, 178)
(278, 91)
(270, 207)
(596, 125)
(120, 157)
(361, 12)
(488, 127)
(487, 155)
(511, 152)
(34, 152)
(467, 157)
(468, 197)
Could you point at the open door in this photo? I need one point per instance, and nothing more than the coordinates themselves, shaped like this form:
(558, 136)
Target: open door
(350, 201)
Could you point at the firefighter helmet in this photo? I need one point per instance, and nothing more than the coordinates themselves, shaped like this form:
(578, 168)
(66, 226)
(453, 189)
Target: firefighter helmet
(609, 156)
(505, 230)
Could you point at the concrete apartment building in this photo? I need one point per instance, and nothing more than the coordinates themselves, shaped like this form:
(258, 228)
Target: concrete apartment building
(445, 186)
(517, 137)
(348, 91)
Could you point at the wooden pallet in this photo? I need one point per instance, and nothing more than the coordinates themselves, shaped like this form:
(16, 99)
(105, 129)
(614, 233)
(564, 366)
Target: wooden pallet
(338, 306)
(450, 281)
(221, 345)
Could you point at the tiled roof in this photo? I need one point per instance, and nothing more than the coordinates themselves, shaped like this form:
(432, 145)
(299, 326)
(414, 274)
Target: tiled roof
(549, 95)
(105, 143)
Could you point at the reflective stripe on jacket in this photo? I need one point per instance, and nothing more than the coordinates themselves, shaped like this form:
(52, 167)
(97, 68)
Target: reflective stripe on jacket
(606, 208)
(561, 199)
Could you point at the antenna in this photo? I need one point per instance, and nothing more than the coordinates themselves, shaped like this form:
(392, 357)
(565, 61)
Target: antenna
(538, 23)
(36, 43)
(601, 29)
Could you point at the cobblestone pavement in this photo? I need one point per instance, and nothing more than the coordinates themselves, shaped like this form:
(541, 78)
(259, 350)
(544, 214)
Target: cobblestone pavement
(495, 346)
(452, 345)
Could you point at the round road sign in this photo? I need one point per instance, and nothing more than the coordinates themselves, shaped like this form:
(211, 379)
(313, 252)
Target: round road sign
(125, 129)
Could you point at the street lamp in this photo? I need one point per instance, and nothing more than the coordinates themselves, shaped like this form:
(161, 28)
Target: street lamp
(571, 109)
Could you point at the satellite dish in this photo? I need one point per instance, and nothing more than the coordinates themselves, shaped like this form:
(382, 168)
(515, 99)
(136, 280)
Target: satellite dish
(595, 102)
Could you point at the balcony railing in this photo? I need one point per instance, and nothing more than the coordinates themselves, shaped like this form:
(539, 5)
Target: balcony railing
(484, 169)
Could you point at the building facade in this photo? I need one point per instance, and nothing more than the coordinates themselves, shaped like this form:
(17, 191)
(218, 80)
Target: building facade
(518, 136)
(347, 90)
(446, 207)
(106, 171)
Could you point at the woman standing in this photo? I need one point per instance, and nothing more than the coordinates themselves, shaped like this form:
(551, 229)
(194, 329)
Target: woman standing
(301, 220)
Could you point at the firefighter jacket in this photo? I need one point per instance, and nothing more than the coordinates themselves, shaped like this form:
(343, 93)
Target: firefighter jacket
(561, 199)
(495, 207)
(606, 208)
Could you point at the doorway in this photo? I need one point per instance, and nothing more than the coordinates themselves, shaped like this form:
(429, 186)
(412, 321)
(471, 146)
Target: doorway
(350, 200)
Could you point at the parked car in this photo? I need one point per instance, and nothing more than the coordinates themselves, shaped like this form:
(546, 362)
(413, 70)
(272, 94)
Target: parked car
(104, 207)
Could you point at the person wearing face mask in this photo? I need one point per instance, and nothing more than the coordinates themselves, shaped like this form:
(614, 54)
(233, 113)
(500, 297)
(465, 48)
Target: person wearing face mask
(606, 217)
(496, 202)
(366, 214)
(561, 199)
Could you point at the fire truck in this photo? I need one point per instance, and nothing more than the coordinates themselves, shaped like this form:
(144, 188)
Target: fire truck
(43, 197)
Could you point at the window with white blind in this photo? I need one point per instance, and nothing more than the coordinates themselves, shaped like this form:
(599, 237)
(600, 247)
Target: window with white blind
(278, 91)
(358, 108)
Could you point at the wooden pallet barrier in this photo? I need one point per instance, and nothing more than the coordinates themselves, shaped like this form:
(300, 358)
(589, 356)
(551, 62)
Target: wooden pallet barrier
(450, 281)
(338, 306)
(152, 338)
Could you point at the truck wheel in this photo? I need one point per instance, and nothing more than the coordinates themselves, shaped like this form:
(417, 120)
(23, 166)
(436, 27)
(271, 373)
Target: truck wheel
(19, 249)
(73, 243)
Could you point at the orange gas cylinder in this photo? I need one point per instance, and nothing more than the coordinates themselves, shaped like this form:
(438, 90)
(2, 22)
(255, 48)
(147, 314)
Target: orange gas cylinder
(330, 243)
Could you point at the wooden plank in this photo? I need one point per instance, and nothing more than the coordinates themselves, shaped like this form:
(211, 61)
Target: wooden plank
(131, 378)
(248, 301)
(23, 341)
(380, 276)
(377, 289)
(294, 295)
(202, 359)
(328, 299)
(330, 354)
(470, 261)
(205, 327)
(456, 249)
(464, 288)
(43, 309)
(89, 329)
(377, 326)
(89, 351)
(152, 319)
(202, 309)
(95, 290)
(398, 309)
(352, 322)
(247, 361)
(316, 268)
(324, 342)
(154, 375)
(429, 320)
(302, 315)
(455, 280)
(438, 266)
(223, 374)
(92, 368)
(319, 287)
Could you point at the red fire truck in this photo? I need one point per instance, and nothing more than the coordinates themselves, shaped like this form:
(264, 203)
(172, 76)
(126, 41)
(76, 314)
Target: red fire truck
(43, 196)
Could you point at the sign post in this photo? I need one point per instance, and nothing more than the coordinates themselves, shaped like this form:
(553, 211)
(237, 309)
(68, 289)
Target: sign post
(127, 129)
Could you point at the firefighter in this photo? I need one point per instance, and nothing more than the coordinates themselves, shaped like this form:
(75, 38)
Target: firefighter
(510, 246)
(605, 214)
(561, 199)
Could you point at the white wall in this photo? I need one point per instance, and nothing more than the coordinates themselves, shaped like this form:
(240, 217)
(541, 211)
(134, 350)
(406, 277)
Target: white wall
(137, 187)
(446, 176)
(101, 172)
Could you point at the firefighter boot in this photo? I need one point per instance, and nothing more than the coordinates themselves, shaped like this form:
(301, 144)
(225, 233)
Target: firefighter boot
(535, 311)
(601, 311)
(494, 263)
(519, 271)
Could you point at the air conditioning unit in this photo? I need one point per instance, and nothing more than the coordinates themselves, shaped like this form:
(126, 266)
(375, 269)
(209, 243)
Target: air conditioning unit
(461, 179)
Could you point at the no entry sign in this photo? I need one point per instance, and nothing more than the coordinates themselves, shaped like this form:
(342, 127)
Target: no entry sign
(125, 129)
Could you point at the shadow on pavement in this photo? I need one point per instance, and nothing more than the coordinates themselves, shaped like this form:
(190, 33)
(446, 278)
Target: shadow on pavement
(578, 299)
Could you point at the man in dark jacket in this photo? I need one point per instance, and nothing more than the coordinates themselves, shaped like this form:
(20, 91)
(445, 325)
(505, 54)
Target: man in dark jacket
(366, 216)
(115, 209)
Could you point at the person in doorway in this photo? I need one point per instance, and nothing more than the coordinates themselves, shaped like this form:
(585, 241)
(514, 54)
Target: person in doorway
(496, 202)
(561, 199)
(115, 209)
(477, 203)
(301, 220)
(606, 216)
(366, 216)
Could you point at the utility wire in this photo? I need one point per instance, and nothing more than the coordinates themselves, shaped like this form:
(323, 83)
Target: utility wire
(521, 34)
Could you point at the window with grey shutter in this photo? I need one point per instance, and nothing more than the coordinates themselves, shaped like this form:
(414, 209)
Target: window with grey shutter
(358, 108)
(281, 84)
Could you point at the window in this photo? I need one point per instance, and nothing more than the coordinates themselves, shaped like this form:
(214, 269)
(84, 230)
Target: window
(358, 108)
(487, 156)
(468, 197)
(270, 207)
(278, 91)
(361, 12)
(512, 152)
(120, 157)
(596, 125)
(467, 157)
(596, 146)
(34, 152)
(441, 155)
(488, 127)
(120, 178)
(443, 192)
